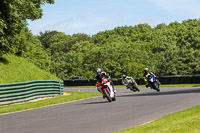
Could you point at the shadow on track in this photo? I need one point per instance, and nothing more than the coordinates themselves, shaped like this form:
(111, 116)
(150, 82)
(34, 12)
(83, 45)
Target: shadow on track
(197, 90)
(95, 102)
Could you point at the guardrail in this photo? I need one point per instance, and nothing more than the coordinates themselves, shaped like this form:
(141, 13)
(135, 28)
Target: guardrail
(171, 79)
(24, 91)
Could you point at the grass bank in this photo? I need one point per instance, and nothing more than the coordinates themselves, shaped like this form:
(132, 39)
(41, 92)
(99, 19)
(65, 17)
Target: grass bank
(17, 69)
(49, 101)
(186, 121)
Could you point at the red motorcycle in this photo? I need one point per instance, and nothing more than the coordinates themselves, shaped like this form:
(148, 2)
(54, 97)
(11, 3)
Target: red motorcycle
(105, 90)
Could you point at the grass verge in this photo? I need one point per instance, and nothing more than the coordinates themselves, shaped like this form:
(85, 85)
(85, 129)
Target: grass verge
(49, 101)
(186, 121)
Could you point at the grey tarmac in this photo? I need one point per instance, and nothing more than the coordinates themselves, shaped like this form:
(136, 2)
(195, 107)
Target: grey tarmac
(96, 115)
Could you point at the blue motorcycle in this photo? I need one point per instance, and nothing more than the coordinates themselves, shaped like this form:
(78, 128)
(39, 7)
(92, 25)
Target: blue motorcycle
(153, 83)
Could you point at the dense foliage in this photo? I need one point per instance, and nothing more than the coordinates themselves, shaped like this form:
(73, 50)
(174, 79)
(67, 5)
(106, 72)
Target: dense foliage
(13, 19)
(172, 49)
(15, 37)
(165, 49)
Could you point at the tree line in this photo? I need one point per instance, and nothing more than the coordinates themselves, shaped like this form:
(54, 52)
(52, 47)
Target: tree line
(172, 49)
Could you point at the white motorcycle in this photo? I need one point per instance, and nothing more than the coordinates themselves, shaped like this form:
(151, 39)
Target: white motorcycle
(132, 85)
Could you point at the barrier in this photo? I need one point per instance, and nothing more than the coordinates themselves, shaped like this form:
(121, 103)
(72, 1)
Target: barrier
(174, 79)
(169, 79)
(24, 91)
(196, 79)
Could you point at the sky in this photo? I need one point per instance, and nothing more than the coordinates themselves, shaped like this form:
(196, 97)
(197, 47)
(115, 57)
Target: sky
(93, 16)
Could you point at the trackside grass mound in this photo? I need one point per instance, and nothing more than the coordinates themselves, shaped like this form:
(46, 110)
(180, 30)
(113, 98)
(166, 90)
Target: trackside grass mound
(49, 101)
(17, 69)
(186, 121)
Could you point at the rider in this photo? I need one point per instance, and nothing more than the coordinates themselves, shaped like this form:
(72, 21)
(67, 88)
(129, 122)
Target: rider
(100, 75)
(127, 81)
(147, 73)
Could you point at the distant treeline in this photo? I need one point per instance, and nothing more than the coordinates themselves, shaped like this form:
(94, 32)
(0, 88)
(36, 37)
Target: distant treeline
(172, 49)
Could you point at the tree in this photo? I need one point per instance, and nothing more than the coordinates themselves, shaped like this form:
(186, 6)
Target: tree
(13, 18)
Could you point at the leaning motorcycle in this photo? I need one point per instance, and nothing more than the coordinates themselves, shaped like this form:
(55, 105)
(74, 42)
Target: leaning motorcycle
(105, 90)
(153, 83)
(133, 86)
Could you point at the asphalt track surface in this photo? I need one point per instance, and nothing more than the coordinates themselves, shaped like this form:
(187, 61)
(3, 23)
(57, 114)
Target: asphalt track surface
(96, 115)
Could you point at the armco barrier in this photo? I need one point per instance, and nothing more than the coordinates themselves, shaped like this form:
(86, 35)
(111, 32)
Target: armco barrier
(24, 91)
(180, 79)
(196, 79)
(175, 79)
(171, 79)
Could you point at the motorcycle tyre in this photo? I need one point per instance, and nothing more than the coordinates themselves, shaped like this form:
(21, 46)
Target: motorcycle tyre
(107, 95)
(137, 89)
(134, 89)
(155, 87)
(114, 98)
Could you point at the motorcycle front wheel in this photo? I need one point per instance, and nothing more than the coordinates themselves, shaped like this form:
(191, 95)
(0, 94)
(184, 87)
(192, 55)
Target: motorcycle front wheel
(114, 98)
(107, 95)
(136, 88)
(155, 87)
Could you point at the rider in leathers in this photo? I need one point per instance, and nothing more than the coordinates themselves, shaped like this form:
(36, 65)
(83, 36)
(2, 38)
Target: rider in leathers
(146, 74)
(99, 77)
(127, 81)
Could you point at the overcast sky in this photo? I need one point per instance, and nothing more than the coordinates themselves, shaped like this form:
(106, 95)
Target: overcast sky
(93, 16)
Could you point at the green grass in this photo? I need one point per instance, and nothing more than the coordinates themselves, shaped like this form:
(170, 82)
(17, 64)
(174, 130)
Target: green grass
(186, 121)
(17, 69)
(50, 101)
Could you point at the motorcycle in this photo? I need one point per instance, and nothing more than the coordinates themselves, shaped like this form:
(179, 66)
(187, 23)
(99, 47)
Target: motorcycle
(105, 90)
(133, 86)
(153, 83)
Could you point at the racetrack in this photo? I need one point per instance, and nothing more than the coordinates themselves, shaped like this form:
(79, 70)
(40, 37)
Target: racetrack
(96, 115)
